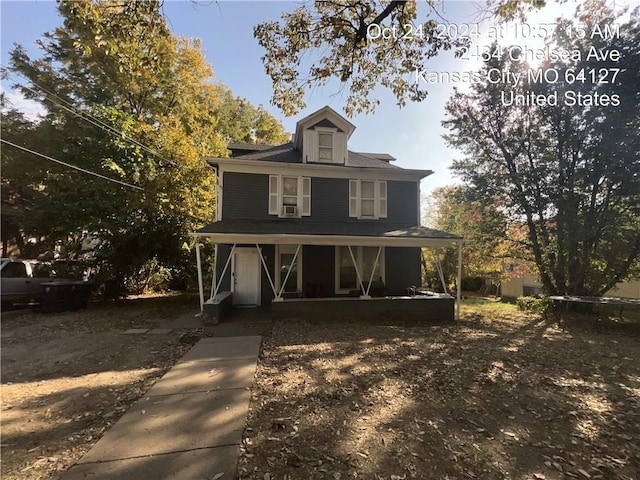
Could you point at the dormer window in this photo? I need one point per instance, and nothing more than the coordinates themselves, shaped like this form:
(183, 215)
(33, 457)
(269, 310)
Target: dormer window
(322, 137)
(325, 146)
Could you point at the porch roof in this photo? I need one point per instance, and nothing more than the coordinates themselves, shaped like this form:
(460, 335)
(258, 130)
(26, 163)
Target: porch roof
(361, 232)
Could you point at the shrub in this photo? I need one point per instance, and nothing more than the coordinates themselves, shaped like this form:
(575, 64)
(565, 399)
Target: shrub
(533, 304)
(472, 284)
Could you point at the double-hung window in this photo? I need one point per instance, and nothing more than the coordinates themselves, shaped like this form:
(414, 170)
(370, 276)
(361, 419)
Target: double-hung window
(289, 196)
(325, 147)
(368, 199)
(290, 191)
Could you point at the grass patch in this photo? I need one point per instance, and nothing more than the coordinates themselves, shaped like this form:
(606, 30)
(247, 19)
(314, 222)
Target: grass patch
(486, 305)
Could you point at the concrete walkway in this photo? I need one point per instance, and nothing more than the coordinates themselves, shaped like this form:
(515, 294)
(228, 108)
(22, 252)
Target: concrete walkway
(189, 424)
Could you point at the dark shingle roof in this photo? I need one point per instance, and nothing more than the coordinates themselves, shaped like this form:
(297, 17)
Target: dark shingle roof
(365, 160)
(286, 153)
(361, 228)
(279, 153)
(379, 156)
(248, 146)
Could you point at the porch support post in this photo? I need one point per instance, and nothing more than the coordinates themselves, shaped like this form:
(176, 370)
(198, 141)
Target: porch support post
(440, 271)
(266, 270)
(373, 270)
(295, 257)
(459, 282)
(214, 280)
(200, 285)
(355, 265)
(224, 270)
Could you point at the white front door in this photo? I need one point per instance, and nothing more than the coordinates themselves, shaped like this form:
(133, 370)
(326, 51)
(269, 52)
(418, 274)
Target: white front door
(246, 277)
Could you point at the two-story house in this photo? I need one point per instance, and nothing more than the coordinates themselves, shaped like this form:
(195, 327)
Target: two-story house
(311, 219)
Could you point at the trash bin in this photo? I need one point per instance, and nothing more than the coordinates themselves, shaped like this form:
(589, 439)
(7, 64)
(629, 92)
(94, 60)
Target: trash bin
(56, 296)
(80, 293)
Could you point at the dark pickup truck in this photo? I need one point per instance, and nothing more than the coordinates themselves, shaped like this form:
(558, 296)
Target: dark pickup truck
(22, 280)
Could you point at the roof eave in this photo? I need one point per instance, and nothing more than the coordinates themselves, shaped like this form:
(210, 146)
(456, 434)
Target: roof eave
(328, 240)
(391, 172)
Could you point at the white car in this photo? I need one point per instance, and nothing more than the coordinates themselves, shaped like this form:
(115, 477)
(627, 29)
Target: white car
(22, 280)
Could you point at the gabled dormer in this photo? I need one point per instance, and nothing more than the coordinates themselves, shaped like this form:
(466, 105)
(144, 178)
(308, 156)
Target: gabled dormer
(322, 137)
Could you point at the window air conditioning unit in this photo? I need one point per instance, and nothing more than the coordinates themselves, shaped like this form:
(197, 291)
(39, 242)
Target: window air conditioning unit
(290, 210)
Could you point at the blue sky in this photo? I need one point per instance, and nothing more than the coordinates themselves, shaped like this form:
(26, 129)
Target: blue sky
(412, 134)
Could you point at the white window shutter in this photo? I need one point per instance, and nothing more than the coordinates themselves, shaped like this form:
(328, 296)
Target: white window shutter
(273, 194)
(339, 147)
(382, 199)
(310, 146)
(306, 196)
(353, 198)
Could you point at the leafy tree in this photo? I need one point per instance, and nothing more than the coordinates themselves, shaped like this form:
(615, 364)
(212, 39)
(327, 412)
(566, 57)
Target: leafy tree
(127, 99)
(342, 37)
(485, 228)
(569, 173)
(490, 239)
(243, 122)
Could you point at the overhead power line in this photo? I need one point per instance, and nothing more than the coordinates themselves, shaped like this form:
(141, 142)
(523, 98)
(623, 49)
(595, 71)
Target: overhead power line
(88, 172)
(69, 107)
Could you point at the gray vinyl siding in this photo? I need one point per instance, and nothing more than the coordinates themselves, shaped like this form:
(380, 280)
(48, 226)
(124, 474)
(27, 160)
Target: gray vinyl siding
(318, 266)
(330, 200)
(402, 202)
(402, 269)
(266, 293)
(223, 255)
(246, 195)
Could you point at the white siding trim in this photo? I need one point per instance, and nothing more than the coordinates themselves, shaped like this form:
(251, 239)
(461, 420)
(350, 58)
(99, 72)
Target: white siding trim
(219, 194)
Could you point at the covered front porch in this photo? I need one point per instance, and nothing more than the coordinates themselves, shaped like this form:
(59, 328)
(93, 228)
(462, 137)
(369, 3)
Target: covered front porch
(304, 275)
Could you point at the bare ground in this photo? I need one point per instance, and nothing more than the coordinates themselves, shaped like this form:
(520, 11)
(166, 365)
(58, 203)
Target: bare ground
(498, 395)
(66, 378)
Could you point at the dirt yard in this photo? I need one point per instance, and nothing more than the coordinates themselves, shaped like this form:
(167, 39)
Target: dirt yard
(66, 378)
(499, 395)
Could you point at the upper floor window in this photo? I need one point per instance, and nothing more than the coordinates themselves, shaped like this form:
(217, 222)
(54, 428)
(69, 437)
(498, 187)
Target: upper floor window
(368, 199)
(325, 147)
(289, 196)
